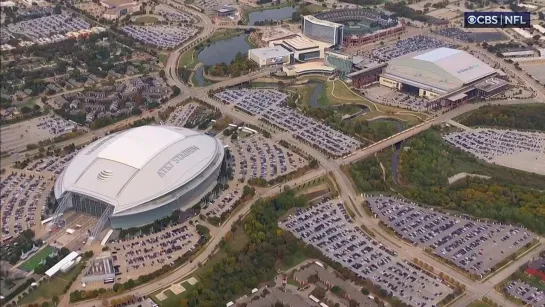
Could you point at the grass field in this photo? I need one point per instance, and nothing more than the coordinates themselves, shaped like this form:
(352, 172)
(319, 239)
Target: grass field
(172, 299)
(35, 260)
(478, 303)
(146, 19)
(188, 59)
(163, 56)
(314, 8)
(54, 287)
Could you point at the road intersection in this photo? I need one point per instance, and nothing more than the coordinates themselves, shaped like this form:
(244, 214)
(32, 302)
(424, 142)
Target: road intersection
(347, 190)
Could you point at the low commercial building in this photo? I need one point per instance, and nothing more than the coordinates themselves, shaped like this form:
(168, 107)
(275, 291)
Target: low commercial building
(224, 11)
(302, 47)
(66, 261)
(308, 69)
(491, 87)
(118, 8)
(270, 55)
(525, 34)
(369, 74)
(539, 28)
(99, 269)
(519, 54)
(7, 4)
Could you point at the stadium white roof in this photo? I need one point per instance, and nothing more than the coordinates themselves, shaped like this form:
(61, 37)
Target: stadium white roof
(118, 169)
(442, 69)
(54, 269)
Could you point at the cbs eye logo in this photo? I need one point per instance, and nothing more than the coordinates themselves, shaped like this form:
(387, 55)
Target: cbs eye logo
(471, 20)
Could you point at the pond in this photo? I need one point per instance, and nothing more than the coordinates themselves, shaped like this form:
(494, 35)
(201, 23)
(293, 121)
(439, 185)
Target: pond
(220, 51)
(274, 14)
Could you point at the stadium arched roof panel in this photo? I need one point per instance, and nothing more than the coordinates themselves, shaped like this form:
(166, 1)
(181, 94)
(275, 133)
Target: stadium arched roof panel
(133, 167)
(443, 68)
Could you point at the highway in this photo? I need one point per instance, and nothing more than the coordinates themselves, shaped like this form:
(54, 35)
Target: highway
(348, 192)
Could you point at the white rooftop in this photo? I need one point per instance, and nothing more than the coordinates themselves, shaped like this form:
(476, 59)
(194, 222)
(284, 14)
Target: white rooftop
(118, 169)
(142, 144)
(54, 269)
(445, 69)
(270, 52)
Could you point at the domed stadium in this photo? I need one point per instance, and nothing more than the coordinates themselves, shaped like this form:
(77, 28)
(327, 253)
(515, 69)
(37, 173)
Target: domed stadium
(134, 177)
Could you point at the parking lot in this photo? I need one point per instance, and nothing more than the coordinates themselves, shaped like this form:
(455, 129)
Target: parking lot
(387, 96)
(52, 164)
(254, 157)
(472, 37)
(16, 137)
(172, 14)
(406, 46)
(327, 227)
(269, 105)
(530, 295)
(209, 5)
(181, 115)
(22, 198)
(517, 149)
(160, 35)
(47, 26)
(471, 245)
(259, 157)
(145, 253)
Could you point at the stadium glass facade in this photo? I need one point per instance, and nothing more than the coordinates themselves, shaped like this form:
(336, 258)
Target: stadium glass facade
(184, 197)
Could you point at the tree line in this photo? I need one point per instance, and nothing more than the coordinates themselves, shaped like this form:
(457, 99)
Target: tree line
(524, 117)
(510, 196)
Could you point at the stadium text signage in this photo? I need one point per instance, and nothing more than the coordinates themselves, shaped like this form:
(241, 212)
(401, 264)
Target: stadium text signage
(497, 20)
(176, 159)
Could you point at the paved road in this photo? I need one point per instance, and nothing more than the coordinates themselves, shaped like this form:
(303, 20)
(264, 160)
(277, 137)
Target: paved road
(347, 190)
(216, 233)
(378, 146)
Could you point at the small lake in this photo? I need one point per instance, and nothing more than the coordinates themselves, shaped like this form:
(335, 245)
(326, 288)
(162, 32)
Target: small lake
(274, 14)
(220, 51)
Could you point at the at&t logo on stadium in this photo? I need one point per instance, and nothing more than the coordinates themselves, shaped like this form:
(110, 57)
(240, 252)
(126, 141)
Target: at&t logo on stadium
(497, 19)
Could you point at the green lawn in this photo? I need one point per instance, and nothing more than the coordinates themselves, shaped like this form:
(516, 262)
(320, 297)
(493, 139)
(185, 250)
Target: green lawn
(146, 19)
(479, 303)
(188, 59)
(35, 259)
(54, 287)
(314, 8)
(163, 57)
(172, 299)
